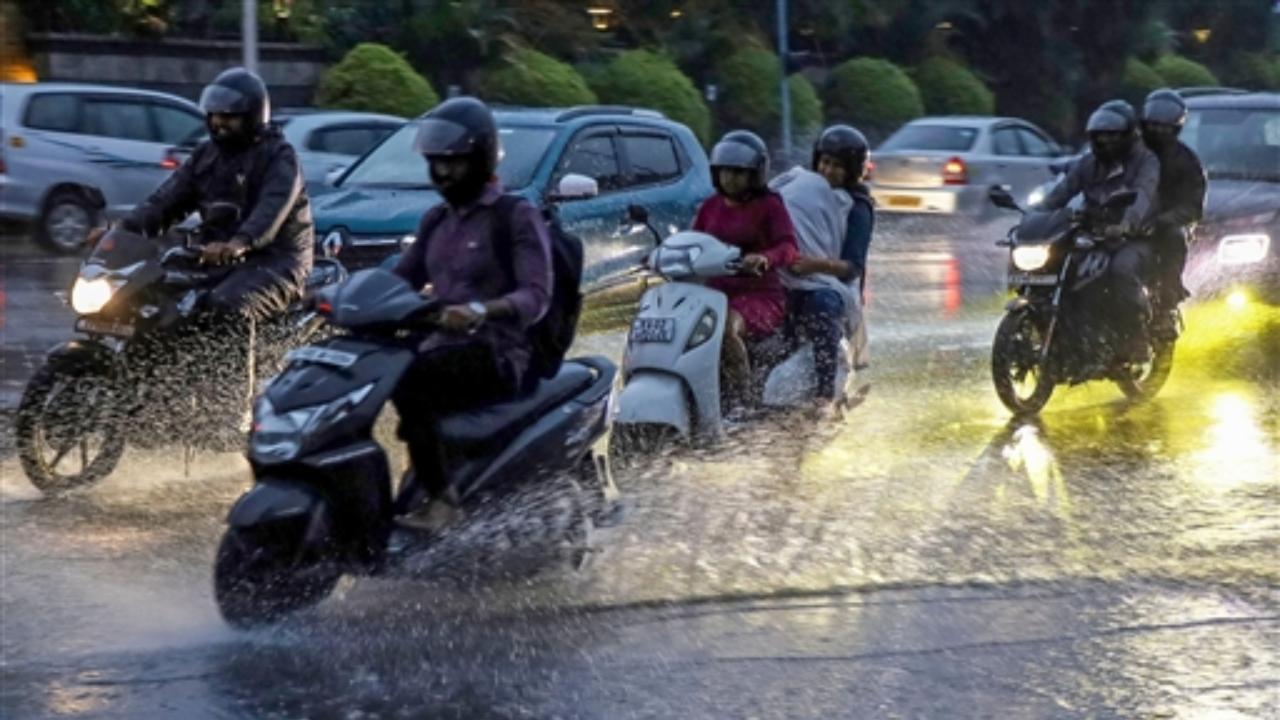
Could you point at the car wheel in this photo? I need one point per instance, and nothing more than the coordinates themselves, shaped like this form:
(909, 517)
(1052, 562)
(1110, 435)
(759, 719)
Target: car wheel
(66, 222)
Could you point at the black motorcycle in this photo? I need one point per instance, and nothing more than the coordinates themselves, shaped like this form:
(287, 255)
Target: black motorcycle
(1051, 331)
(323, 503)
(146, 369)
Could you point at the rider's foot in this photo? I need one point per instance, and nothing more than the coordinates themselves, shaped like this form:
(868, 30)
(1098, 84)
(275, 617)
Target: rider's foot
(1135, 350)
(435, 516)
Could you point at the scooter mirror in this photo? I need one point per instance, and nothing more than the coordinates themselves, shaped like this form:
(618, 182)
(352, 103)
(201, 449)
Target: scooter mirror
(1001, 198)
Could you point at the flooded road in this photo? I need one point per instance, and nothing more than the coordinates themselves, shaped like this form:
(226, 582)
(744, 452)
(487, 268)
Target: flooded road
(928, 557)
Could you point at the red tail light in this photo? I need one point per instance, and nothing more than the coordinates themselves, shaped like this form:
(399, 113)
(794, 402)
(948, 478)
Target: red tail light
(169, 162)
(871, 167)
(955, 172)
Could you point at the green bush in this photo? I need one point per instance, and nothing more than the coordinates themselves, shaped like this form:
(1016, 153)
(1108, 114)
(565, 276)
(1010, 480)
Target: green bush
(1139, 80)
(374, 78)
(748, 90)
(1179, 72)
(873, 94)
(1253, 71)
(647, 79)
(806, 106)
(949, 88)
(528, 77)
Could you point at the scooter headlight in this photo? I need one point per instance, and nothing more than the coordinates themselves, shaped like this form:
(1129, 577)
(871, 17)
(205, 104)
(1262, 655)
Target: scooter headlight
(281, 436)
(1243, 249)
(1030, 257)
(703, 331)
(90, 296)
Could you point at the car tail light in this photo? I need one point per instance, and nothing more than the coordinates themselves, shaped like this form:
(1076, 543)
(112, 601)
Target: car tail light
(954, 172)
(871, 167)
(169, 162)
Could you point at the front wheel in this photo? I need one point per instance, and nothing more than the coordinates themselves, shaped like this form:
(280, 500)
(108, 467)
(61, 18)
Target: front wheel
(257, 578)
(1021, 380)
(67, 427)
(1143, 381)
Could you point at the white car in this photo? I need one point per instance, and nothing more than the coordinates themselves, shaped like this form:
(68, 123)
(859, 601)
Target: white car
(945, 165)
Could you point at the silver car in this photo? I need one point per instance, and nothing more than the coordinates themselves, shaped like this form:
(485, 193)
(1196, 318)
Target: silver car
(71, 153)
(945, 165)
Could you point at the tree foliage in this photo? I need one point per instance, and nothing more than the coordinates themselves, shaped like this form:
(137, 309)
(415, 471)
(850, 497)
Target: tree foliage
(528, 77)
(1178, 72)
(949, 88)
(873, 94)
(806, 106)
(1139, 80)
(648, 79)
(374, 78)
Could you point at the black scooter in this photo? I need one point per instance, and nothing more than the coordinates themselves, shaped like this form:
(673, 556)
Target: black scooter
(322, 504)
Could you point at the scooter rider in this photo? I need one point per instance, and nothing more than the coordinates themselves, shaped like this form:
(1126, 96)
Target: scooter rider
(246, 184)
(1117, 161)
(1181, 198)
(481, 352)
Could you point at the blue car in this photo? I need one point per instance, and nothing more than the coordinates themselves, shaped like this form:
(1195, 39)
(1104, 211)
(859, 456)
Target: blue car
(634, 155)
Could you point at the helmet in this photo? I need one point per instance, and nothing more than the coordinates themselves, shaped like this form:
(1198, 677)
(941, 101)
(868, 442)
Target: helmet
(741, 149)
(460, 126)
(238, 92)
(1165, 107)
(1112, 130)
(845, 144)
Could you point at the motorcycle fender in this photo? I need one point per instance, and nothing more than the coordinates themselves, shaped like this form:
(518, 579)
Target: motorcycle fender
(78, 354)
(654, 399)
(1017, 303)
(273, 501)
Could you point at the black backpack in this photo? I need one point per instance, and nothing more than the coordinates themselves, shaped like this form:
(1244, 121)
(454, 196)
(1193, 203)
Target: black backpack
(552, 335)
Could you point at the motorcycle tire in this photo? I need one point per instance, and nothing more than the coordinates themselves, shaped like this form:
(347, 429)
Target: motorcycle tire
(41, 418)
(1145, 383)
(256, 580)
(1018, 338)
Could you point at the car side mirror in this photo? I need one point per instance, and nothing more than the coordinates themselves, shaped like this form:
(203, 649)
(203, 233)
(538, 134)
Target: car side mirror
(1000, 197)
(1121, 200)
(638, 214)
(577, 187)
(331, 177)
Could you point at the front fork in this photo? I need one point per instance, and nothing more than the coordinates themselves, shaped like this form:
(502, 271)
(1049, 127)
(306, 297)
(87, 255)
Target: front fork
(1056, 306)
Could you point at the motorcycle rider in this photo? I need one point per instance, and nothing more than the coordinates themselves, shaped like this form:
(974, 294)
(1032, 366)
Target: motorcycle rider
(746, 214)
(833, 216)
(481, 351)
(1117, 161)
(1180, 204)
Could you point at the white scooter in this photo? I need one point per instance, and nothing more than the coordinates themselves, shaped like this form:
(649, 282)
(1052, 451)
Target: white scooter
(671, 368)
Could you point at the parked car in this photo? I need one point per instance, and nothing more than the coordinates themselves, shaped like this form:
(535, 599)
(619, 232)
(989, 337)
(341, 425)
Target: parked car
(945, 165)
(1237, 136)
(327, 141)
(70, 153)
(634, 155)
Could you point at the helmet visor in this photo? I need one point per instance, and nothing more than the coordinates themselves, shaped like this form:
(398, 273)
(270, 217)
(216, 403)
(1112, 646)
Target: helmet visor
(732, 154)
(442, 137)
(222, 99)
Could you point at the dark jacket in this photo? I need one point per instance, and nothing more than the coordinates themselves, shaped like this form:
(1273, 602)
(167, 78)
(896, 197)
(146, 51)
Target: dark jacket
(1183, 186)
(255, 194)
(1140, 171)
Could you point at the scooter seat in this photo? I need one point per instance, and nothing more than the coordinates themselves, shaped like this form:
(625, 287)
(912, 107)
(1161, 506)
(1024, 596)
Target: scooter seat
(497, 423)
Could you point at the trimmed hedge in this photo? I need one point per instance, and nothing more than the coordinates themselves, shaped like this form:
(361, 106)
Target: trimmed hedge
(1253, 71)
(373, 78)
(528, 77)
(949, 88)
(648, 79)
(748, 91)
(1178, 71)
(1139, 80)
(806, 106)
(873, 94)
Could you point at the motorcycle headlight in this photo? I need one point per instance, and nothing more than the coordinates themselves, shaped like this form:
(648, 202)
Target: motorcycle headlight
(281, 436)
(1243, 249)
(90, 296)
(1035, 197)
(703, 330)
(1030, 257)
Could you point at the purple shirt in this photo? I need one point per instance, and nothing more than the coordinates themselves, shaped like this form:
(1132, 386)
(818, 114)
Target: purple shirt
(460, 261)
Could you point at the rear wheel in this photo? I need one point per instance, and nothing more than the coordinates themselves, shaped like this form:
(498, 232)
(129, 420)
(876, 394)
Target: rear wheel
(257, 577)
(1023, 384)
(1143, 381)
(67, 427)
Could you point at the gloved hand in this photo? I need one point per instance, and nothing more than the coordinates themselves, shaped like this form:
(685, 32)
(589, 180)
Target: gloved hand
(222, 253)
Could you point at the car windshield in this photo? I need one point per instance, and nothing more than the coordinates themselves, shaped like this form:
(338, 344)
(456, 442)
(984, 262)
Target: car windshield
(1236, 143)
(932, 137)
(395, 164)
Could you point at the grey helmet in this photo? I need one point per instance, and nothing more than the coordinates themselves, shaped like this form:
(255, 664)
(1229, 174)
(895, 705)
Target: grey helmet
(1165, 107)
(1112, 130)
(741, 149)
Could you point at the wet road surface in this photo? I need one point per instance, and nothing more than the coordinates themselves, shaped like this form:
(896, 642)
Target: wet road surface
(928, 557)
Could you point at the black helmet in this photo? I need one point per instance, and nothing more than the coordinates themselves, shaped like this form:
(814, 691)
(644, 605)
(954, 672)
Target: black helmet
(460, 126)
(238, 92)
(1112, 130)
(1165, 107)
(741, 149)
(848, 146)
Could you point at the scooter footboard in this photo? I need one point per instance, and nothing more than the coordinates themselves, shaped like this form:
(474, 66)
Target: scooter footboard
(653, 398)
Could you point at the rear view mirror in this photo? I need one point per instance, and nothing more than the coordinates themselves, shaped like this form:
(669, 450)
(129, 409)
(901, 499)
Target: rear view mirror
(1001, 198)
(1121, 200)
(577, 187)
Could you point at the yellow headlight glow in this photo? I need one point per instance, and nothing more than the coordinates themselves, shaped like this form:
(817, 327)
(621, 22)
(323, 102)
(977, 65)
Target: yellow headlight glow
(1030, 257)
(89, 296)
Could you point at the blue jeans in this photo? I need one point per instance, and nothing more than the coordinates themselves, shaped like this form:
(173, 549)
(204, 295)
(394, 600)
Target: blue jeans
(818, 316)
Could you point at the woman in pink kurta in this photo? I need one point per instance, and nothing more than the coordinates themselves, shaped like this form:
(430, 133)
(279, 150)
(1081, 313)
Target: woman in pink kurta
(746, 214)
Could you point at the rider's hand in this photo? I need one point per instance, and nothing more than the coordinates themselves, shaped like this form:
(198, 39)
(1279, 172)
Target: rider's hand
(94, 235)
(460, 319)
(754, 264)
(1114, 232)
(221, 253)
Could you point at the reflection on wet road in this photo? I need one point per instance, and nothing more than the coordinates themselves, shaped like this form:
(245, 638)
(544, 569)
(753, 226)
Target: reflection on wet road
(929, 557)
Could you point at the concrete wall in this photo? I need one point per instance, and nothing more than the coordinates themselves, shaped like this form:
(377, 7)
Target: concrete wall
(181, 67)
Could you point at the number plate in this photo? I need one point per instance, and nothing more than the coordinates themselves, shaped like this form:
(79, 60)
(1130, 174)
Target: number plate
(653, 330)
(322, 356)
(904, 201)
(1020, 279)
(105, 327)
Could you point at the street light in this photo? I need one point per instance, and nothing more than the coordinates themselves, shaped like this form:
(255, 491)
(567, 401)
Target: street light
(783, 89)
(249, 33)
(601, 17)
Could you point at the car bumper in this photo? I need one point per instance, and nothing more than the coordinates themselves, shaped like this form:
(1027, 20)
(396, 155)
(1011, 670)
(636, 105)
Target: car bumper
(955, 200)
(18, 201)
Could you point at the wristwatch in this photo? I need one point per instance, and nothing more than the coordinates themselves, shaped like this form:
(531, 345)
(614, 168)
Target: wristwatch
(478, 308)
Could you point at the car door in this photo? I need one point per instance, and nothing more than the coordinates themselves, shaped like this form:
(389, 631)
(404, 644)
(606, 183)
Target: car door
(333, 147)
(122, 139)
(1012, 166)
(46, 149)
(1042, 152)
(593, 151)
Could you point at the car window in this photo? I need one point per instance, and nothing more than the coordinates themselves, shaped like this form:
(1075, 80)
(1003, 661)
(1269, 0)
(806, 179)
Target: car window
(1236, 143)
(1034, 144)
(932, 137)
(1005, 142)
(175, 124)
(595, 157)
(126, 119)
(352, 140)
(652, 158)
(395, 164)
(53, 111)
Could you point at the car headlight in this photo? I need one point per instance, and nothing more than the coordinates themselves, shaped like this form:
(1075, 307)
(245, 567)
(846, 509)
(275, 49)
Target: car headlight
(703, 331)
(407, 240)
(90, 296)
(1035, 197)
(1243, 249)
(1030, 257)
(281, 436)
